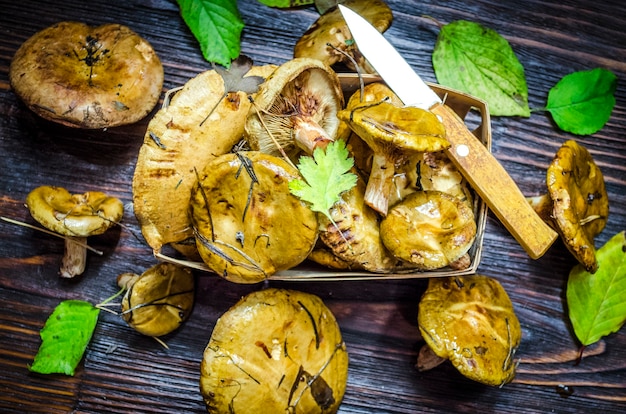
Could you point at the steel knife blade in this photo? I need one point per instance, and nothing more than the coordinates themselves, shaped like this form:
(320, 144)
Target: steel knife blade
(477, 164)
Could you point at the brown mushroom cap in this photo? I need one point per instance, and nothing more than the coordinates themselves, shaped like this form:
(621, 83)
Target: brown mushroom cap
(87, 77)
(471, 321)
(430, 229)
(275, 351)
(331, 28)
(75, 215)
(580, 202)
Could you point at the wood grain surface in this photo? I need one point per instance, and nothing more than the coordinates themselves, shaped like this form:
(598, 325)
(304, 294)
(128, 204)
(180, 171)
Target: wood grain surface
(123, 372)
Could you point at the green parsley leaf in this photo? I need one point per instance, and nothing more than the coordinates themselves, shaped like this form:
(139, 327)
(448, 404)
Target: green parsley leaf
(477, 60)
(597, 302)
(65, 337)
(582, 102)
(217, 26)
(326, 175)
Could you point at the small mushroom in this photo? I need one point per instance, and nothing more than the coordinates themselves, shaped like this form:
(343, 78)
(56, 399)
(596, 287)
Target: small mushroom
(471, 321)
(576, 204)
(329, 39)
(430, 229)
(394, 134)
(87, 77)
(75, 216)
(295, 109)
(159, 300)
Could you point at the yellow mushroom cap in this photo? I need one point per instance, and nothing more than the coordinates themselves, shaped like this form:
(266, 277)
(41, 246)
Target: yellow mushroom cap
(77, 215)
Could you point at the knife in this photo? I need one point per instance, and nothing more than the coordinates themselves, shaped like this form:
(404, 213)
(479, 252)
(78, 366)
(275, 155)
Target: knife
(479, 167)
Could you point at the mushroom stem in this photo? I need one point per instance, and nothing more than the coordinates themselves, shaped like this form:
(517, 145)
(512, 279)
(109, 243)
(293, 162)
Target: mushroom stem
(543, 206)
(380, 183)
(74, 258)
(309, 134)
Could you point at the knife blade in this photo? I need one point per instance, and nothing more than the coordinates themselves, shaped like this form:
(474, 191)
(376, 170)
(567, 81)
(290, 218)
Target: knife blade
(477, 164)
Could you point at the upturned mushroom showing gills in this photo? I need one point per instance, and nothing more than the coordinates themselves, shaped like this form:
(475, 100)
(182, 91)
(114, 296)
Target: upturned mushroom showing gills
(394, 134)
(75, 216)
(471, 321)
(247, 223)
(275, 351)
(329, 39)
(430, 229)
(87, 77)
(295, 109)
(576, 204)
(159, 300)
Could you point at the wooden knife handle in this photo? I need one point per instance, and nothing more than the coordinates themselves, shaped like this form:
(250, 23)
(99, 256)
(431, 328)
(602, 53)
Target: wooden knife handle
(494, 185)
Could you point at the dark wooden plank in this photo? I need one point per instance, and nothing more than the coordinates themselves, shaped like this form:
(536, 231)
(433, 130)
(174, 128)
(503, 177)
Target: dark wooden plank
(124, 372)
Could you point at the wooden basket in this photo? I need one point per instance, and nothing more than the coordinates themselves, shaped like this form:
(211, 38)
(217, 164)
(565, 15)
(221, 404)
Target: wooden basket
(476, 115)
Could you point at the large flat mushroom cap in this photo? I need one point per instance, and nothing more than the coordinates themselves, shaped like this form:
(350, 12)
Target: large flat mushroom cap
(87, 77)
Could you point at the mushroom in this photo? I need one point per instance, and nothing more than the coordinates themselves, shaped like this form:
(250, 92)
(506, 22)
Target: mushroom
(75, 216)
(471, 321)
(295, 109)
(430, 229)
(247, 223)
(576, 204)
(329, 39)
(159, 300)
(394, 134)
(179, 141)
(87, 77)
(275, 351)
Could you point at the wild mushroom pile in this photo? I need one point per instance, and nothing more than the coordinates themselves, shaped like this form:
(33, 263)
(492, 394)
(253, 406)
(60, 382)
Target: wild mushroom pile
(229, 203)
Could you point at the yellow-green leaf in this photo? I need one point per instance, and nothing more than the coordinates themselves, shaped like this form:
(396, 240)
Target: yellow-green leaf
(477, 60)
(65, 337)
(597, 302)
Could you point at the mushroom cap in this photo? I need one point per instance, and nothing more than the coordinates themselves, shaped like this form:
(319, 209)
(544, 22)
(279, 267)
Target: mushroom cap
(178, 142)
(331, 28)
(430, 229)
(304, 87)
(250, 227)
(160, 300)
(76, 215)
(87, 77)
(580, 202)
(388, 128)
(471, 321)
(275, 351)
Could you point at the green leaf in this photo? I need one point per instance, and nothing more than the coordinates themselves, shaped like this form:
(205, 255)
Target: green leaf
(283, 4)
(597, 302)
(217, 26)
(582, 102)
(326, 176)
(65, 337)
(477, 60)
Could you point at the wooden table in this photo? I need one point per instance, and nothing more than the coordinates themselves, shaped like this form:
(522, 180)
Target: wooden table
(123, 372)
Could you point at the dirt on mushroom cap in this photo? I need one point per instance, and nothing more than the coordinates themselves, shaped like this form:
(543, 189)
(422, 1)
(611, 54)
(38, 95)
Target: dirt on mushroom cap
(87, 77)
